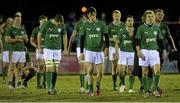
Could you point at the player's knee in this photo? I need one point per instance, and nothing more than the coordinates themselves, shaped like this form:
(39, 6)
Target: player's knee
(50, 66)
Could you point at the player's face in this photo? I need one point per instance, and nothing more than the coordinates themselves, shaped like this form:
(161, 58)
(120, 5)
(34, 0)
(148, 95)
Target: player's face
(116, 16)
(9, 21)
(92, 16)
(159, 16)
(42, 21)
(57, 23)
(150, 18)
(17, 20)
(2, 27)
(130, 22)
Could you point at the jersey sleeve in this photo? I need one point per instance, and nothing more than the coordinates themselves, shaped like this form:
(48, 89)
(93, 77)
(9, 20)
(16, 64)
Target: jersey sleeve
(168, 32)
(139, 33)
(44, 27)
(34, 32)
(64, 32)
(160, 34)
(76, 27)
(105, 29)
(82, 30)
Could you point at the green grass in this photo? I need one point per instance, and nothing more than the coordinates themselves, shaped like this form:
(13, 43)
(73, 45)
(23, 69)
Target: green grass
(68, 91)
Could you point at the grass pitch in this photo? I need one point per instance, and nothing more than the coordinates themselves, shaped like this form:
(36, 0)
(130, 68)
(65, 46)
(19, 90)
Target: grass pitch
(68, 91)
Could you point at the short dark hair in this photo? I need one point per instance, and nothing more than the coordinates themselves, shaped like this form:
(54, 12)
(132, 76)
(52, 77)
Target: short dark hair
(2, 20)
(59, 18)
(42, 17)
(159, 10)
(129, 16)
(91, 10)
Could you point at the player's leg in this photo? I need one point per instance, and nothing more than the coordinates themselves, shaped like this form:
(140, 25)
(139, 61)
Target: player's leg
(99, 60)
(155, 63)
(130, 63)
(144, 64)
(82, 71)
(99, 68)
(90, 67)
(48, 56)
(21, 59)
(114, 74)
(28, 73)
(56, 62)
(121, 69)
(113, 61)
(5, 65)
(40, 70)
(90, 61)
(131, 78)
(122, 62)
(137, 71)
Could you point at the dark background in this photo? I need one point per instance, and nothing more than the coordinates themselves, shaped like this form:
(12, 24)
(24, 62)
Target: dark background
(32, 9)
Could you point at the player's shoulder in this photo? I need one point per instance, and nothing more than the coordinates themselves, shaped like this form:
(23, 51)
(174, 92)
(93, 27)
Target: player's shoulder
(100, 21)
(36, 28)
(142, 25)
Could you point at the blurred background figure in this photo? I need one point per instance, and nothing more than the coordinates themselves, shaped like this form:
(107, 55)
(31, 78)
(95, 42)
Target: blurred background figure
(70, 26)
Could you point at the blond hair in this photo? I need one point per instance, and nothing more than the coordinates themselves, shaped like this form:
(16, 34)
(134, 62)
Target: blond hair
(143, 18)
(116, 12)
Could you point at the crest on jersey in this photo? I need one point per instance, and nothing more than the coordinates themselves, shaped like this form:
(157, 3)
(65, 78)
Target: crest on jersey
(22, 32)
(163, 31)
(98, 29)
(155, 32)
(59, 29)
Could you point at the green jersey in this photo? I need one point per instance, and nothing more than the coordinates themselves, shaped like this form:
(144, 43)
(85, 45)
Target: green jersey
(148, 36)
(113, 32)
(77, 27)
(6, 46)
(15, 33)
(34, 35)
(93, 32)
(125, 40)
(53, 35)
(164, 30)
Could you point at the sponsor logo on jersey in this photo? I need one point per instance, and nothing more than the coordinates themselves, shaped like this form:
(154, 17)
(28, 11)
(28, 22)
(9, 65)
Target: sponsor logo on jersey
(150, 40)
(93, 36)
(53, 35)
(127, 42)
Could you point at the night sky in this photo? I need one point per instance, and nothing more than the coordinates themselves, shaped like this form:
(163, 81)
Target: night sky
(31, 9)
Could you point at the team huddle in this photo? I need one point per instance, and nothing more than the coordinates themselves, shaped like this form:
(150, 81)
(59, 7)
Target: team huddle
(131, 52)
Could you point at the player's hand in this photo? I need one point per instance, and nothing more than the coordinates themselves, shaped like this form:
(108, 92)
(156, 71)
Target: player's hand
(40, 50)
(141, 55)
(116, 56)
(65, 52)
(174, 50)
(164, 55)
(68, 52)
(81, 57)
(106, 52)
